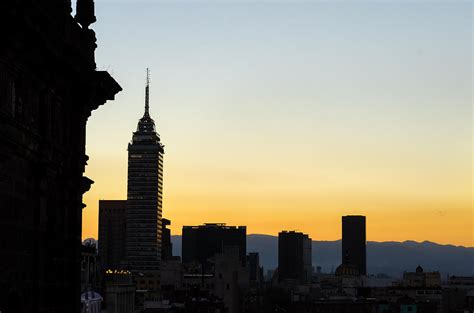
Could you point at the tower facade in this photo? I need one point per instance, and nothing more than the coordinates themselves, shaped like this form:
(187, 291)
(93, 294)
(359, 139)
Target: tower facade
(111, 233)
(294, 257)
(354, 242)
(204, 241)
(144, 195)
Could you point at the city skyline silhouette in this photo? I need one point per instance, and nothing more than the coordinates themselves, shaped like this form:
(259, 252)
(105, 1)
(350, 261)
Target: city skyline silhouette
(318, 157)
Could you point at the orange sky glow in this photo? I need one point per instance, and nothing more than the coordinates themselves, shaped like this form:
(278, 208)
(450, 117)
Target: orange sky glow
(287, 115)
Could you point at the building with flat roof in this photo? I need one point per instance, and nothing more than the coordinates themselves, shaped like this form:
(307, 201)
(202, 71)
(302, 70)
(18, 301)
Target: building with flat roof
(119, 292)
(354, 242)
(203, 241)
(254, 268)
(294, 257)
(111, 233)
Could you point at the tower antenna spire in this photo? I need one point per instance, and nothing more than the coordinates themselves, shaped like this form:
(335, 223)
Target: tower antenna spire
(147, 92)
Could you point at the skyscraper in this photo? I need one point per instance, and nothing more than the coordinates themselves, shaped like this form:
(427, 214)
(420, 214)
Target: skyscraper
(254, 268)
(354, 242)
(294, 257)
(111, 233)
(202, 242)
(144, 195)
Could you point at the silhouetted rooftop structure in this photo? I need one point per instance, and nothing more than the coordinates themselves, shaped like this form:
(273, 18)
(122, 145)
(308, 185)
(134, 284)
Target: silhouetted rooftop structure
(203, 241)
(354, 242)
(294, 257)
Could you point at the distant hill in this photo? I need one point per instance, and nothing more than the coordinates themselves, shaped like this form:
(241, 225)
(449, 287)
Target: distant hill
(391, 258)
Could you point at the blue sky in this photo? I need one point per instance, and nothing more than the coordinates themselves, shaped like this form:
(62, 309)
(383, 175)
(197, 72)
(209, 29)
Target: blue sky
(316, 100)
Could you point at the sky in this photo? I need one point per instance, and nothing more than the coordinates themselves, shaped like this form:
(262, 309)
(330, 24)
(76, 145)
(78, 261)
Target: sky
(286, 115)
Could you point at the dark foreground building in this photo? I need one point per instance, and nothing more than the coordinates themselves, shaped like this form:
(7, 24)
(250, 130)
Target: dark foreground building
(354, 242)
(202, 242)
(254, 268)
(111, 233)
(294, 257)
(49, 86)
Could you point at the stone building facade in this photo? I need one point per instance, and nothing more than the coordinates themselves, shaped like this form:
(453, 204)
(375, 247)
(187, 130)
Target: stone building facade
(49, 86)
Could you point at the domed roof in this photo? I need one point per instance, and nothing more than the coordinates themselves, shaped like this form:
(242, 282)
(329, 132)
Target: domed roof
(90, 296)
(419, 269)
(347, 269)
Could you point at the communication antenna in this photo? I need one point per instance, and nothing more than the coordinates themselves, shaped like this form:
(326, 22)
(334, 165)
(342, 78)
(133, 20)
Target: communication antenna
(147, 93)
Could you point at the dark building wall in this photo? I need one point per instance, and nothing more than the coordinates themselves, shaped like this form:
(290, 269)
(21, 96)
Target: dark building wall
(166, 245)
(111, 233)
(48, 87)
(202, 242)
(119, 292)
(294, 256)
(89, 269)
(354, 241)
(253, 263)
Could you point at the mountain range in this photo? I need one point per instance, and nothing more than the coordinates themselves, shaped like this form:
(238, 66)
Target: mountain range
(391, 258)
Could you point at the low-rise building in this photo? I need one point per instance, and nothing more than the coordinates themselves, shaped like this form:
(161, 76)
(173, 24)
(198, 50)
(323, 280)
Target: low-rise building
(90, 270)
(91, 302)
(420, 278)
(119, 292)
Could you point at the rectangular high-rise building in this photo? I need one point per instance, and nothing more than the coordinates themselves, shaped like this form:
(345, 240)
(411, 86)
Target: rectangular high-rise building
(202, 242)
(255, 271)
(144, 196)
(111, 233)
(354, 242)
(294, 257)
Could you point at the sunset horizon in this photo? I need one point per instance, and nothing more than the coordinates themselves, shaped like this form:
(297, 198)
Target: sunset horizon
(268, 127)
(200, 156)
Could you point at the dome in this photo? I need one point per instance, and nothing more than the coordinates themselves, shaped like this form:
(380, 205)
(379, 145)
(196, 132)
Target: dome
(90, 296)
(347, 269)
(419, 269)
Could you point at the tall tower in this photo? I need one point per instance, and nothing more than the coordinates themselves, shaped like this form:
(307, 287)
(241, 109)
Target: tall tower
(294, 257)
(144, 195)
(354, 242)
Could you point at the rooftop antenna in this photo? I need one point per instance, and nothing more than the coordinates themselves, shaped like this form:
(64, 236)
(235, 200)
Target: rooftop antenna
(147, 92)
